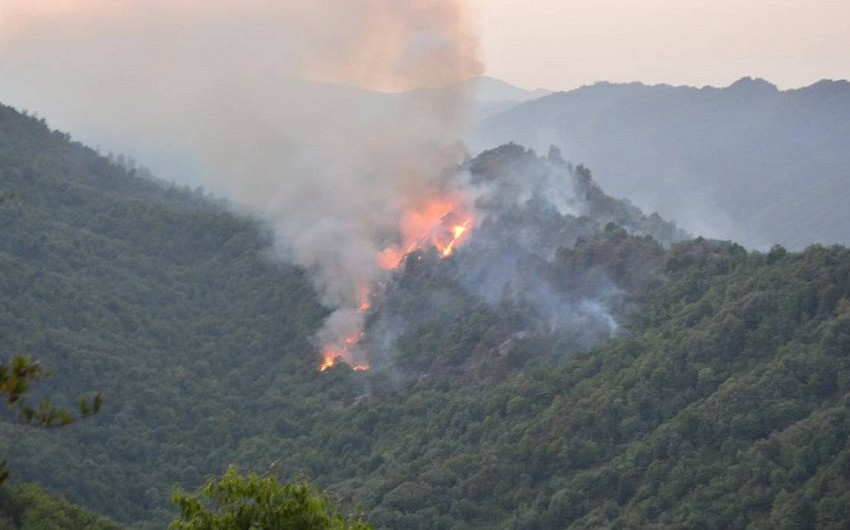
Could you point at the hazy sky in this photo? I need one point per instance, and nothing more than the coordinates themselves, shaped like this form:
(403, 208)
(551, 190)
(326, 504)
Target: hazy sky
(562, 44)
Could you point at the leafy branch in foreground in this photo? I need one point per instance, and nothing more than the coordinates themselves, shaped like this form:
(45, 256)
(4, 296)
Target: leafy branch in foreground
(15, 380)
(247, 502)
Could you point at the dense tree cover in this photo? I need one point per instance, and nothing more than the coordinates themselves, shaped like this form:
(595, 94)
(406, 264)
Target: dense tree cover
(164, 301)
(240, 502)
(28, 507)
(15, 380)
(720, 401)
(725, 405)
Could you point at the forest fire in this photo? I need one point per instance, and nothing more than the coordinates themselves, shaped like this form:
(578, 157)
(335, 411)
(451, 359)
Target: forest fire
(331, 356)
(457, 233)
(441, 223)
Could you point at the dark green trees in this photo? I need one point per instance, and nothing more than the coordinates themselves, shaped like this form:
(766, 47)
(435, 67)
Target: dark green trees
(15, 380)
(28, 507)
(253, 502)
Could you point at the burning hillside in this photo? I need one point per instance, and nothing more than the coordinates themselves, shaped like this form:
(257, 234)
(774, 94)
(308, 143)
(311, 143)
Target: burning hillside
(367, 192)
(522, 245)
(443, 224)
(284, 107)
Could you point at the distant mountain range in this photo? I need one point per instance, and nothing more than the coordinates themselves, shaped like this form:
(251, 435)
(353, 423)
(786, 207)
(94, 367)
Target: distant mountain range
(747, 162)
(493, 96)
(492, 90)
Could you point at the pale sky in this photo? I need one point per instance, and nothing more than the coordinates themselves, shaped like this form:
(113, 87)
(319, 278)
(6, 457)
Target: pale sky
(563, 44)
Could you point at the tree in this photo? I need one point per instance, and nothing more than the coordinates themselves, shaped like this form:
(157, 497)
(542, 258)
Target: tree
(253, 502)
(28, 507)
(15, 379)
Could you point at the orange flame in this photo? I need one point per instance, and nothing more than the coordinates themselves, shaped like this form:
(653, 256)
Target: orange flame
(456, 237)
(329, 361)
(333, 354)
(442, 223)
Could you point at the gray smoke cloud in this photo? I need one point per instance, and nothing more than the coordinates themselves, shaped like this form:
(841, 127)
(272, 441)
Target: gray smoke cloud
(552, 259)
(274, 100)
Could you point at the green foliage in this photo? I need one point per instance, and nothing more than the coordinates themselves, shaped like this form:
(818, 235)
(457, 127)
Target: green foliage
(164, 301)
(729, 389)
(721, 402)
(27, 507)
(15, 379)
(248, 502)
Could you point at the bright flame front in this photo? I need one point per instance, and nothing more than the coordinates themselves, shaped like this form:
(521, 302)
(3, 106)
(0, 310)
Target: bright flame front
(443, 223)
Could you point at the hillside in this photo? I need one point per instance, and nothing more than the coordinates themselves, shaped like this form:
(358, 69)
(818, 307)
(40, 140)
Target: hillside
(607, 374)
(27, 507)
(493, 96)
(160, 298)
(747, 162)
(491, 90)
(724, 407)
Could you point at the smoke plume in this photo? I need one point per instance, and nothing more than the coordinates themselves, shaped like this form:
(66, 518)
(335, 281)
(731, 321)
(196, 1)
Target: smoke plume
(275, 100)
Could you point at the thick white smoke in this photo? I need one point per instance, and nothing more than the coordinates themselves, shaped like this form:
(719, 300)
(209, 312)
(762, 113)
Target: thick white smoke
(268, 96)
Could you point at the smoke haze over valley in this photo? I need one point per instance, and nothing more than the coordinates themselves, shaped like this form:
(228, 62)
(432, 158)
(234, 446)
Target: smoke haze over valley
(243, 90)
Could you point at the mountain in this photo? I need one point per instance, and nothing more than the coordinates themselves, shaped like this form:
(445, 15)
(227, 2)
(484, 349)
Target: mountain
(102, 273)
(523, 271)
(166, 148)
(492, 90)
(575, 364)
(747, 162)
(493, 96)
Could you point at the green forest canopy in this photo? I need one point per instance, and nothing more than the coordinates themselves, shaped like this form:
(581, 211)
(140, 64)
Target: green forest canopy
(723, 403)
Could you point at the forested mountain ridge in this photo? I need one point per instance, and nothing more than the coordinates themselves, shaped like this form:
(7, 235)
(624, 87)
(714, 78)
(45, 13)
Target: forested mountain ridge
(102, 273)
(718, 400)
(726, 406)
(747, 162)
(551, 253)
